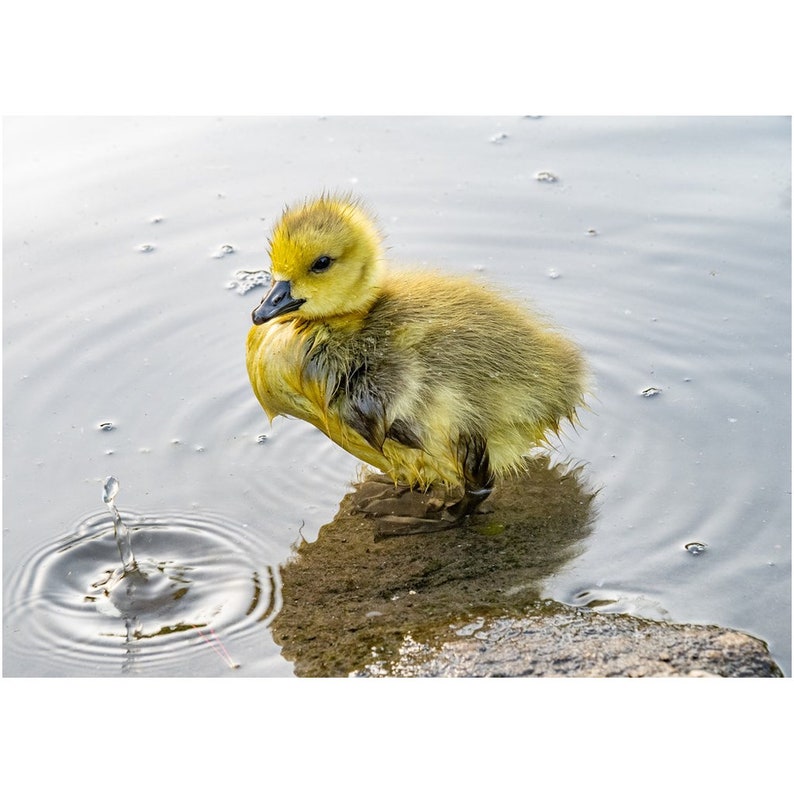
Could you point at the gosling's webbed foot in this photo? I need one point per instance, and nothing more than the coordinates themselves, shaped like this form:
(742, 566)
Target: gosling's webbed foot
(378, 497)
(400, 510)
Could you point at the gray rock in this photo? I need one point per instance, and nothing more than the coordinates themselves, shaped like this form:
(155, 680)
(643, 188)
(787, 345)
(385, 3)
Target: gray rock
(571, 642)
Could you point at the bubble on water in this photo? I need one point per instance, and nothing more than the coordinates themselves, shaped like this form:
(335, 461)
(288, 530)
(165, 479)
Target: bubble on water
(244, 281)
(695, 547)
(651, 391)
(224, 250)
(545, 176)
(499, 137)
(146, 248)
(552, 273)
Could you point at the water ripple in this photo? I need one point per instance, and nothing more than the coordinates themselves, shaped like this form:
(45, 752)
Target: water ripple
(203, 610)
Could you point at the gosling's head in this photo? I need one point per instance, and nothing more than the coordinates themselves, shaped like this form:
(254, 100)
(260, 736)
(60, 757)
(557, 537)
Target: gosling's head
(325, 262)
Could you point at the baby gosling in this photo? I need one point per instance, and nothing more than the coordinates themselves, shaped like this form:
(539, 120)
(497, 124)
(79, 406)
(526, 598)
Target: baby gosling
(433, 379)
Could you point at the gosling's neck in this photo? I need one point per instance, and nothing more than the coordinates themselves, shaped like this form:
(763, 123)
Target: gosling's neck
(353, 316)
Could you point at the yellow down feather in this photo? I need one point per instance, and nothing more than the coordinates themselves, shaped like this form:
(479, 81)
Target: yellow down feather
(403, 368)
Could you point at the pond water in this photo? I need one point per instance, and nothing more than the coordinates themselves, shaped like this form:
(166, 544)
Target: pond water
(662, 245)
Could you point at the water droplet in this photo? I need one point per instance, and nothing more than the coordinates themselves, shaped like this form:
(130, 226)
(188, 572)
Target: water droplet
(109, 492)
(110, 489)
(545, 176)
(223, 250)
(695, 547)
(107, 426)
(651, 391)
(146, 248)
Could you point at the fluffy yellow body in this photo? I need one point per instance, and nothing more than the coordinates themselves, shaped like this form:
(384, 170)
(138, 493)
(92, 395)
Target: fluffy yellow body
(429, 378)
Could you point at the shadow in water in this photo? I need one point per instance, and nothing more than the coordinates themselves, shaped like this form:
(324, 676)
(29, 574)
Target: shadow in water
(348, 596)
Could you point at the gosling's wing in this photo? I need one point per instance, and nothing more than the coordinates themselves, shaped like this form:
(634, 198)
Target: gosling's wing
(367, 412)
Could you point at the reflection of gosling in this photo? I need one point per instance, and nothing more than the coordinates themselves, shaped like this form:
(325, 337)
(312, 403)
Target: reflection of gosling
(430, 378)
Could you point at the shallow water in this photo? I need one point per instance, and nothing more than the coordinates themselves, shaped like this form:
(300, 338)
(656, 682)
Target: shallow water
(661, 244)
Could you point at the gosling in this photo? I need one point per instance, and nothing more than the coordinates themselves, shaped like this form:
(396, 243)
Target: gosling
(433, 379)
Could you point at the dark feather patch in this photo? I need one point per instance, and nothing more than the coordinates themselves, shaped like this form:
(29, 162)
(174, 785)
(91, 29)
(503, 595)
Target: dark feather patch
(474, 461)
(401, 432)
(366, 414)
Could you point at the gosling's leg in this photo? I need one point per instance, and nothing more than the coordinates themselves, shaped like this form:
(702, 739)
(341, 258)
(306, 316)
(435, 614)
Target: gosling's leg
(478, 477)
(471, 500)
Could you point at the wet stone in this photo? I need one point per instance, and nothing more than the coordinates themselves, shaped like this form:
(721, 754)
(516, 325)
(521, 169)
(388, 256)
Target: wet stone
(559, 641)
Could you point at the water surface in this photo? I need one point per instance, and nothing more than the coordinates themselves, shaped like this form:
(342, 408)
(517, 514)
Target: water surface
(662, 245)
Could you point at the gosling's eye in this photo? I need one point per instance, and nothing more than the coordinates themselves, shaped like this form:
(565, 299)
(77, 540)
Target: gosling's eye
(321, 263)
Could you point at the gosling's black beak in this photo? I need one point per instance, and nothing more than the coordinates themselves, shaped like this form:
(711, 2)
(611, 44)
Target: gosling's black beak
(278, 301)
